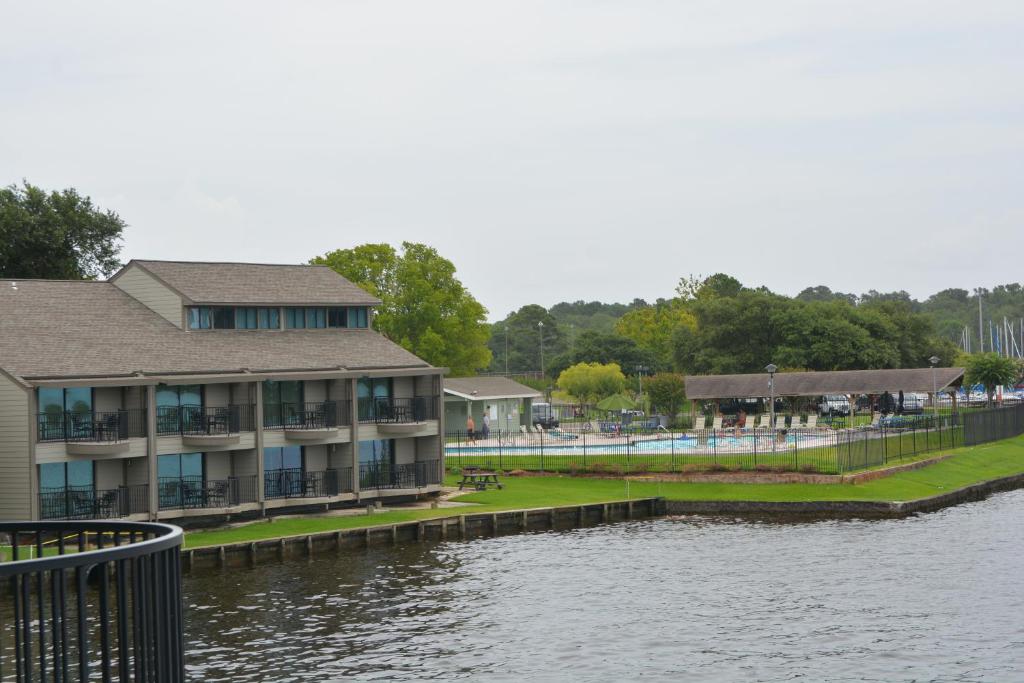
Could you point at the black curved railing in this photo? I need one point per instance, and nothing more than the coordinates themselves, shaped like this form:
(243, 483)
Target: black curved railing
(93, 599)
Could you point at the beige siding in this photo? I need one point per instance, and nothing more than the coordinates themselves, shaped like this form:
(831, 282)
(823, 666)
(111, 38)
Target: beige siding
(218, 465)
(106, 399)
(137, 472)
(109, 474)
(145, 288)
(405, 451)
(135, 397)
(341, 456)
(243, 463)
(314, 390)
(217, 395)
(403, 387)
(15, 458)
(428, 448)
(316, 458)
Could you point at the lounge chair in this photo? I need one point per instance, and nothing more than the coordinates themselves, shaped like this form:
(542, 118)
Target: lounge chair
(812, 421)
(716, 425)
(795, 423)
(699, 423)
(876, 418)
(766, 421)
(750, 424)
(780, 422)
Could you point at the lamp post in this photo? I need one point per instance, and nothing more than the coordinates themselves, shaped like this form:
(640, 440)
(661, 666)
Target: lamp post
(934, 360)
(540, 329)
(639, 385)
(770, 369)
(506, 349)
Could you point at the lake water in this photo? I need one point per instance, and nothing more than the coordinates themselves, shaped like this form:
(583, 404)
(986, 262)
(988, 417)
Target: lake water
(936, 597)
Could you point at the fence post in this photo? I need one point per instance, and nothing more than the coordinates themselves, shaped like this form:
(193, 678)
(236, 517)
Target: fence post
(672, 446)
(542, 451)
(499, 449)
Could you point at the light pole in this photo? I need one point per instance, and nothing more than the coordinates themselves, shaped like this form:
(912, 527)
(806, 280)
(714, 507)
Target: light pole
(770, 369)
(506, 349)
(540, 328)
(639, 385)
(934, 360)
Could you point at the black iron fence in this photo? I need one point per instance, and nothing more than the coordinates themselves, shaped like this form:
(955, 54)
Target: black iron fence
(387, 475)
(398, 410)
(191, 420)
(99, 426)
(991, 425)
(197, 492)
(309, 415)
(638, 449)
(295, 483)
(87, 600)
(87, 502)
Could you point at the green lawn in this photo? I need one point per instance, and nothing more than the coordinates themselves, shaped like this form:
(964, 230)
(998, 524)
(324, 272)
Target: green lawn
(968, 466)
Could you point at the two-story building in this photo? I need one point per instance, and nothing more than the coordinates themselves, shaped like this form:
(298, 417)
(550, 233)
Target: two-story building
(181, 389)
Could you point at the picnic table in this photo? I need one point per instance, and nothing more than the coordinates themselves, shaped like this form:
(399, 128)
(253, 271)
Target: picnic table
(479, 479)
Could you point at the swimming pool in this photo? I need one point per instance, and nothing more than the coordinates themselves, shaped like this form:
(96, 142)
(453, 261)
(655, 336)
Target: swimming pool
(746, 443)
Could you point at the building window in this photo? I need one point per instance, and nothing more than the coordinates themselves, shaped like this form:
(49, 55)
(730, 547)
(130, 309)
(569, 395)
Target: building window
(211, 317)
(282, 401)
(283, 471)
(62, 410)
(177, 406)
(371, 392)
(268, 318)
(337, 316)
(67, 490)
(357, 316)
(181, 480)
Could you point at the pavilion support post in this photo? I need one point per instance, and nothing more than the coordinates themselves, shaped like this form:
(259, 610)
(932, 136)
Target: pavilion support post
(853, 408)
(693, 411)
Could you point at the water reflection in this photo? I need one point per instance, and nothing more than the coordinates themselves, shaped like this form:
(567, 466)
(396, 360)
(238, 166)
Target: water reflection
(934, 597)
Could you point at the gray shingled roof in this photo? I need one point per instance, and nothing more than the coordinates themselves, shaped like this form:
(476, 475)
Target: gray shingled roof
(255, 283)
(488, 388)
(53, 328)
(819, 383)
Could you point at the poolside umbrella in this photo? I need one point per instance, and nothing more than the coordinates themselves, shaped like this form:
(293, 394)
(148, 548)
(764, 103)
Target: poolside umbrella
(616, 402)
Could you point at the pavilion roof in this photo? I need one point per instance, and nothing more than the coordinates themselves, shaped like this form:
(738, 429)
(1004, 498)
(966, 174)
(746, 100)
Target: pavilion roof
(817, 383)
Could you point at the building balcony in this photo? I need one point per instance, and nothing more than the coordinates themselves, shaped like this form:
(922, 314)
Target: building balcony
(295, 483)
(310, 421)
(205, 425)
(196, 493)
(86, 502)
(413, 475)
(92, 432)
(398, 415)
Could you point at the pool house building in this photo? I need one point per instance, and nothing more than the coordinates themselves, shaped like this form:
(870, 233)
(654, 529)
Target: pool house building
(508, 402)
(850, 384)
(181, 390)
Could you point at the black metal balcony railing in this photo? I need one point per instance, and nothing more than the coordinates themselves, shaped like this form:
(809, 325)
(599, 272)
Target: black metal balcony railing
(195, 492)
(310, 415)
(385, 475)
(294, 483)
(190, 420)
(92, 600)
(397, 410)
(87, 502)
(105, 426)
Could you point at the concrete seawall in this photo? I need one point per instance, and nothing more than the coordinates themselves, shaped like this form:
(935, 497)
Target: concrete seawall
(473, 525)
(839, 509)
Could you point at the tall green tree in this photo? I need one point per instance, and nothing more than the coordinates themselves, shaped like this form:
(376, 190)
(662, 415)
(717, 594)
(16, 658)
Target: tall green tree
(991, 370)
(56, 235)
(667, 391)
(595, 347)
(523, 334)
(425, 309)
(590, 382)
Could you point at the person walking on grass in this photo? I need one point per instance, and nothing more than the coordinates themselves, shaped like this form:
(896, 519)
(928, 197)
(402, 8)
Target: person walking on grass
(470, 429)
(487, 422)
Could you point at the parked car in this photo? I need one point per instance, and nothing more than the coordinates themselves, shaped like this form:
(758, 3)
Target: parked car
(542, 414)
(913, 404)
(834, 404)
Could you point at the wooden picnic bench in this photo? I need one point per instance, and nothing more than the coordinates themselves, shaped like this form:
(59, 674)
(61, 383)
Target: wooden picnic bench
(479, 479)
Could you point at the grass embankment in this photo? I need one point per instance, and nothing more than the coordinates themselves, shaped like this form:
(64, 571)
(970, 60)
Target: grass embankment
(968, 466)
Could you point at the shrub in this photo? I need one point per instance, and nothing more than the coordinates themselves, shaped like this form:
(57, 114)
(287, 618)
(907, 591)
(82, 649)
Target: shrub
(762, 467)
(716, 467)
(691, 467)
(808, 468)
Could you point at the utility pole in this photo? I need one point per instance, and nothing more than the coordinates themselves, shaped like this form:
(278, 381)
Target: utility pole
(540, 328)
(770, 369)
(506, 349)
(981, 328)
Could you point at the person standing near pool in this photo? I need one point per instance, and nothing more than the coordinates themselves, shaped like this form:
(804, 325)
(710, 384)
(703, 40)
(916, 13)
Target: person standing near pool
(487, 422)
(470, 429)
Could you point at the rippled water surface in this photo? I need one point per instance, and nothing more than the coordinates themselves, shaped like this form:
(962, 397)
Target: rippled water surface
(935, 597)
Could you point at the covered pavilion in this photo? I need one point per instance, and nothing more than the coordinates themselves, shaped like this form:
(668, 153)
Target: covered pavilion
(850, 383)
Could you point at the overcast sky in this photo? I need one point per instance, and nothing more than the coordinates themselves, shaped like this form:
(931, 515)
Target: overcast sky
(552, 150)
